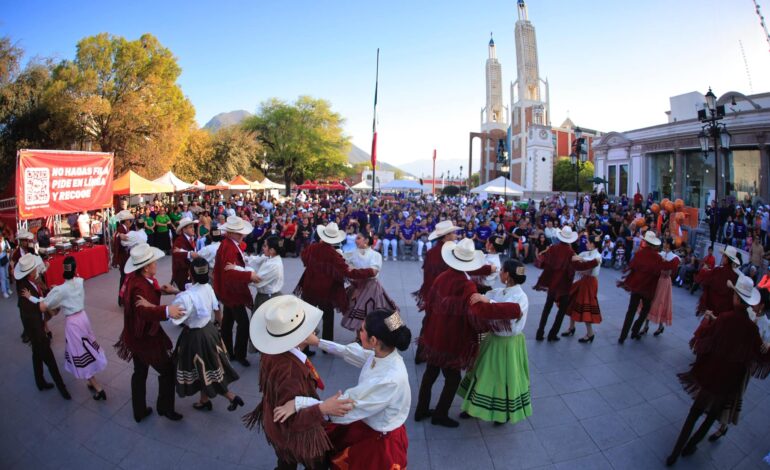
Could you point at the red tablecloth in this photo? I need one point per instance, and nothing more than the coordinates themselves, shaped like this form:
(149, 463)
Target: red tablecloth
(90, 262)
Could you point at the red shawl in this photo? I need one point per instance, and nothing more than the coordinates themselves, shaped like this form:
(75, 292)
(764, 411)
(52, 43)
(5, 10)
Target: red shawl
(142, 335)
(716, 296)
(644, 271)
(559, 270)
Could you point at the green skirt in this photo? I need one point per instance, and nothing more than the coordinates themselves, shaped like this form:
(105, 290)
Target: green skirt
(497, 387)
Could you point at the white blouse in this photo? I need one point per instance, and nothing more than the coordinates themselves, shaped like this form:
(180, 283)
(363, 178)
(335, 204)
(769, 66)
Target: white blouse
(199, 303)
(668, 256)
(588, 256)
(492, 280)
(209, 253)
(514, 294)
(382, 396)
(68, 297)
(363, 259)
(269, 270)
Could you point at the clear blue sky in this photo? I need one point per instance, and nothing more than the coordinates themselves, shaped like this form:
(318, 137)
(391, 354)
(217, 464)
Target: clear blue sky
(611, 64)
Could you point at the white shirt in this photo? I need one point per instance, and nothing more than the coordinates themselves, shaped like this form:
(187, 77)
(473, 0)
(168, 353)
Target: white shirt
(269, 270)
(764, 328)
(514, 294)
(382, 396)
(199, 303)
(588, 256)
(68, 297)
(84, 225)
(209, 253)
(363, 259)
(492, 280)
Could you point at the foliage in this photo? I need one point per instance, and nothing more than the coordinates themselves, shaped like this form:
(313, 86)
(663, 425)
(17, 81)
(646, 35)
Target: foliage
(234, 152)
(564, 175)
(475, 180)
(302, 140)
(450, 190)
(195, 153)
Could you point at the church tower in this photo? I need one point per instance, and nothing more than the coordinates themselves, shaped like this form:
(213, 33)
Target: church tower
(494, 118)
(494, 108)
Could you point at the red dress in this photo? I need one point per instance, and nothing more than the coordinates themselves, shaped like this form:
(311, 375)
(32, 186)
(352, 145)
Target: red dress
(584, 306)
(362, 448)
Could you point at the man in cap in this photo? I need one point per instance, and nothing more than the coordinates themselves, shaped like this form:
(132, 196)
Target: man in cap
(183, 253)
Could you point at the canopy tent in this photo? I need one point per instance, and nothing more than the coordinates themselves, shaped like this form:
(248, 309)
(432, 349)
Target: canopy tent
(308, 186)
(332, 187)
(272, 185)
(200, 185)
(500, 185)
(239, 182)
(223, 184)
(503, 191)
(405, 185)
(362, 186)
(131, 183)
(171, 179)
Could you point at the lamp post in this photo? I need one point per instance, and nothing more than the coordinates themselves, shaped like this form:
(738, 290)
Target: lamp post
(716, 132)
(578, 158)
(461, 176)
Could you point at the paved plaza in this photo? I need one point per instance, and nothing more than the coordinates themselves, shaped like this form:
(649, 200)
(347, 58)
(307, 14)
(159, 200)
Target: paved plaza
(594, 406)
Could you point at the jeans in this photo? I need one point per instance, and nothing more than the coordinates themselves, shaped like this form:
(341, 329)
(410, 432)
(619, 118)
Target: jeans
(5, 286)
(393, 244)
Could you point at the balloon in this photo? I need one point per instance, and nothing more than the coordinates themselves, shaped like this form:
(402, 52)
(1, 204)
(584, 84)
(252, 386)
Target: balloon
(655, 208)
(638, 222)
(679, 216)
(668, 206)
(679, 205)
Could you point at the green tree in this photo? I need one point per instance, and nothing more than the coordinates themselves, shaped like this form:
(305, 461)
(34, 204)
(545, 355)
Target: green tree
(564, 175)
(234, 152)
(303, 139)
(196, 153)
(123, 97)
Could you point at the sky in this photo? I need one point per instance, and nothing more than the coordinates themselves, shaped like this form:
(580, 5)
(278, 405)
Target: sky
(612, 65)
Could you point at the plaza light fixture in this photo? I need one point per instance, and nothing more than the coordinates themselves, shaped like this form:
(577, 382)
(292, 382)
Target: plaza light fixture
(578, 158)
(714, 134)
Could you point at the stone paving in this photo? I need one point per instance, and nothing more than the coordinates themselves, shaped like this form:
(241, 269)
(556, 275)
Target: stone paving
(595, 406)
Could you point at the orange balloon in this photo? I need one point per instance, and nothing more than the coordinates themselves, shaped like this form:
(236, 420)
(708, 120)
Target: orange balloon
(655, 208)
(679, 205)
(664, 201)
(668, 206)
(680, 216)
(638, 222)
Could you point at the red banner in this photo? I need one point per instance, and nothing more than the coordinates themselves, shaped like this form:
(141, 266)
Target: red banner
(50, 182)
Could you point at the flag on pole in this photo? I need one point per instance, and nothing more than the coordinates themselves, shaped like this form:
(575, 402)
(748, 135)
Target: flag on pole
(374, 121)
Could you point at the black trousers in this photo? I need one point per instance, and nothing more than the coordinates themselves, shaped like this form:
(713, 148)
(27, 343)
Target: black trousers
(328, 323)
(41, 350)
(633, 305)
(230, 316)
(698, 407)
(451, 383)
(284, 465)
(166, 381)
(563, 305)
(120, 285)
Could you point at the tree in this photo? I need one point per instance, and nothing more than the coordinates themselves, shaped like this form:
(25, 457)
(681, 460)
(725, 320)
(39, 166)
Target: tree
(564, 175)
(302, 140)
(234, 152)
(475, 180)
(122, 95)
(195, 155)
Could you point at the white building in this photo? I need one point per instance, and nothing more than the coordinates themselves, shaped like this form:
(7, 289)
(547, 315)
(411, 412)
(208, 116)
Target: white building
(383, 177)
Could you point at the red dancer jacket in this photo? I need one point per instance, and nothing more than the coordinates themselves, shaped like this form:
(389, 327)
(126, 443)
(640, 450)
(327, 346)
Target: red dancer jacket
(452, 325)
(120, 253)
(142, 335)
(323, 282)
(301, 439)
(644, 271)
(716, 296)
(231, 286)
(180, 261)
(559, 270)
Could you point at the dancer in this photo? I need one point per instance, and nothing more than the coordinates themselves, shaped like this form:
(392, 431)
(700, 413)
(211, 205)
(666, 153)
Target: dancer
(583, 304)
(119, 251)
(641, 281)
(366, 295)
(716, 296)
(322, 283)
(23, 240)
(26, 272)
(497, 387)
(281, 328)
(729, 348)
(83, 356)
(372, 435)
(183, 253)
(453, 322)
(662, 308)
(434, 264)
(143, 340)
(202, 363)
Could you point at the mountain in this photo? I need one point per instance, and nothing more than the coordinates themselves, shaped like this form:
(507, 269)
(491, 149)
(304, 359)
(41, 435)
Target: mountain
(359, 155)
(226, 120)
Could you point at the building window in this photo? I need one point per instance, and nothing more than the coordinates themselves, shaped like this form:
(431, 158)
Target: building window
(742, 174)
(623, 187)
(698, 179)
(661, 175)
(612, 178)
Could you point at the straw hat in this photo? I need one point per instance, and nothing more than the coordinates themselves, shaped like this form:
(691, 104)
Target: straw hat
(462, 256)
(24, 235)
(442, 228)
(125, 214)
(744, 287)
(566, 234)
(331, 234)
(236, 224)
(731, 253)
(26, 265)
(650, 238)
(282, 323)
(185, 222)
(142, 255)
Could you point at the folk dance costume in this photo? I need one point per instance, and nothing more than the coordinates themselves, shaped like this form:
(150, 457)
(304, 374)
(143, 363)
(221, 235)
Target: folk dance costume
(450, 337)
(641, 281)
(181, 255)
(434, 264)
(120, 252)
(716, 296)
(583, 304)
(497, 387)
(366, 295)
(662, 308)
(323, 282)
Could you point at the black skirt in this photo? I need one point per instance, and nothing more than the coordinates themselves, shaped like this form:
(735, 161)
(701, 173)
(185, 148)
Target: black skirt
(202, 362)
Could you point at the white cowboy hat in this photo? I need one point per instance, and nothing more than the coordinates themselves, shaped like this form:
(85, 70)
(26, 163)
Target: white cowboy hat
(731, 253)
(24, 235)
(744, 287)
(650, 238)
(566, 234)
(26, 265)
(282, 323)
(142, 255)
(442, 228)
(185, 222)
(236, 224)
(125, 214)
(135, 237)
(330, 233)
(462, 256)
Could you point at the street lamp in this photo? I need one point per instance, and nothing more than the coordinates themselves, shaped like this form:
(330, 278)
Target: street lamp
(713, 130)
(578, 158)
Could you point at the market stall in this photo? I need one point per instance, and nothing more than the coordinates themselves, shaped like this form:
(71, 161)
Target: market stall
(130, 183)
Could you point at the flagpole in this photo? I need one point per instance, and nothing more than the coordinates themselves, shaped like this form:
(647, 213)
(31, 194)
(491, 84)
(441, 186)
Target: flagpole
(374, 125)
(433, 192)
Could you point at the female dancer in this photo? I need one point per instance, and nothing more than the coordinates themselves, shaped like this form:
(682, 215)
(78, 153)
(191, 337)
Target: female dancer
(366, 295)
(83, 356)
(497, 387)
(661, 311)
(583, 304)
(372, 435)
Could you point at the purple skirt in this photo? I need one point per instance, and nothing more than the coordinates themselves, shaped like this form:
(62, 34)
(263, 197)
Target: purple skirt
(366, 296)
(83, 356)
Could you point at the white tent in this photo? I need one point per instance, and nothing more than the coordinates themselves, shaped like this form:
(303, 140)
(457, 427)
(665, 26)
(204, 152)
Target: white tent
(171, 179)
(404, 185)
(267, 184)
(362, 186)
(500, 185)
(223, 183)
